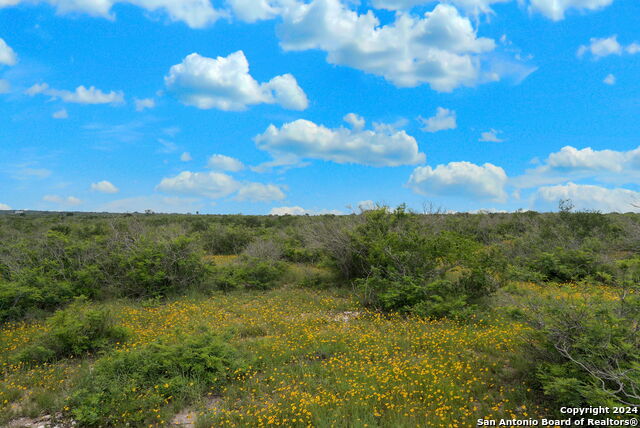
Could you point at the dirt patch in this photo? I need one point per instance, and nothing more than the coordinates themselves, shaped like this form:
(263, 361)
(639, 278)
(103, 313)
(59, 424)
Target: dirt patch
(346, 316)
(187, 417)
(45, 421)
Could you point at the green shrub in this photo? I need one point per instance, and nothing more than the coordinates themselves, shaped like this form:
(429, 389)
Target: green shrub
(133, 388)
(74, 331)
(455, 296)
(566, 265)
(397, 266)
(19, 299)
(248, 273)
(588, 351)
(226, 239)
(151, 269)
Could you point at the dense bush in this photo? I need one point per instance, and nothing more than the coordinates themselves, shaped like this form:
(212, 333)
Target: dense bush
(76, 330)
(398, 266)
(124, 388)
(566, 265)
(248, 273)
(61, 267)
(226, 239)
(588, 350)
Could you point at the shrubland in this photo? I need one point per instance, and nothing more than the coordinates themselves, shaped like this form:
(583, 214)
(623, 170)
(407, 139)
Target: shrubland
(111, 320)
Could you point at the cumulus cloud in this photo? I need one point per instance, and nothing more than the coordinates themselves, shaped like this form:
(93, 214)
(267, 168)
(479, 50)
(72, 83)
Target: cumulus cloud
(356, 122)
(225, 83)
(225, 163)
(303, 139)
(367, 205)
(461, 178)
(215, 185)
(60, 114)
(633, 48)
(588, 197)
(254, 10)
(297, 210)
(194, 13)
(600, 48)
(470, 6)
(4, 207)
(186, 157)
(556, 9)
(610, 79)
(491, 136)
(155, 203)
(60, 200)
(444, 119)
(104, 187)
(571, 163)
(440, 49)
(81, 95)
(7, 55)
(144, 103)
(258, 192)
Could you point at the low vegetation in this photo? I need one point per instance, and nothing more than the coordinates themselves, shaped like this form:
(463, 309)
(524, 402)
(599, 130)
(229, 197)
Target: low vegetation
(385, 318)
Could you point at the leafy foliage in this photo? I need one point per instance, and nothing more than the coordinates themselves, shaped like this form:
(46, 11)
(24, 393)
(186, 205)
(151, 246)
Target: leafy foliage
(74, 331)
(131, 387)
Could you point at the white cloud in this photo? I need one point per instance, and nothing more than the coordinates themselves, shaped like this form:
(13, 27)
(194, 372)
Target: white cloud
(144, 103)
(213, 185)
(440, 49)
(254, 10)
(81, 95)
(5, 86)
(588, 197)
(55, 199)
(194, 13)
(60, 114)
(610, 79)
(367, 205)
(186, 157)
(7, 55)
(600, 48)
(302, 139)
(297, 210)
(572, 164)
(224, 163)
(633, 48)
(4, 207)
(444, 119)
(104, 187)
(258, 192)
(155, 203)
(356, 122)
(462, 179)
(588, 159)
(474, 7)
(556, 9)
(225, 83)
(491, 136)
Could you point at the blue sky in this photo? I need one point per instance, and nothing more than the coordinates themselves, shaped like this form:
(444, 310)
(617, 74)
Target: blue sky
(314, 106)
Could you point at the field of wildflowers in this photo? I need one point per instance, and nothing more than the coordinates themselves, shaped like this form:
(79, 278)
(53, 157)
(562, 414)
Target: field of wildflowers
(317, 359)
(386, 319)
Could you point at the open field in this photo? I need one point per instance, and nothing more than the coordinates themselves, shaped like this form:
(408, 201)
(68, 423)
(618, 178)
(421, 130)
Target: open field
(386, 319)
